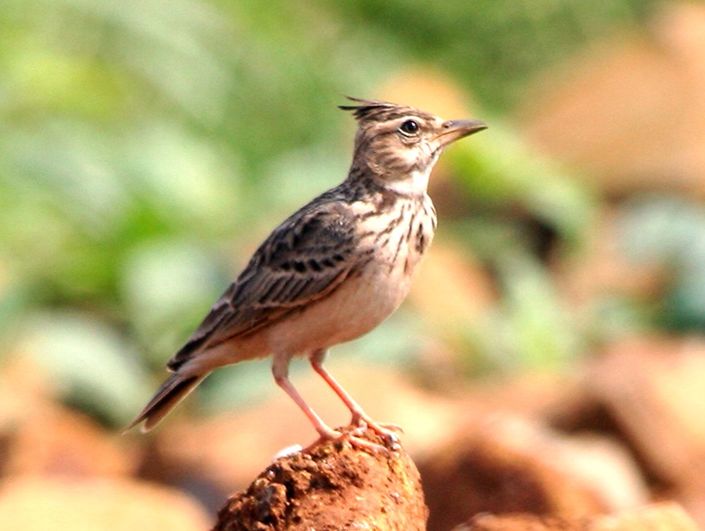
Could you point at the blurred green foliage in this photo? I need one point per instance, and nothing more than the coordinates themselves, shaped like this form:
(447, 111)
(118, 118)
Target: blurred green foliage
(494, 46)
(147, 146)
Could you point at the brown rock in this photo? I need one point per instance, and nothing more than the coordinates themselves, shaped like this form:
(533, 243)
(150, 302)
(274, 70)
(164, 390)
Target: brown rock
(333, 486)
(647, 392)
(658, 517)
(59, 441)
(38, 436)
(631, 113)
(508, 465)
(599, 457)
(37, 504)
(653, 389)
(24, 390)
(521, 522)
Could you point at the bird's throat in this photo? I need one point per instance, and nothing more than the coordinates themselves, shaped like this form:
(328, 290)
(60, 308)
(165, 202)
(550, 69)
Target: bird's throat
(414, 183)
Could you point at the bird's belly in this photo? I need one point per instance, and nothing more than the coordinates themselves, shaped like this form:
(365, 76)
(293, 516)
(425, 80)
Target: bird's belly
(355, 308)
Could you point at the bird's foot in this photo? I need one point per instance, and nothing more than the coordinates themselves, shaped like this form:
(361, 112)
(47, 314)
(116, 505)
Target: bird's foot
(389, 432)
(364, 444)
(354, 437)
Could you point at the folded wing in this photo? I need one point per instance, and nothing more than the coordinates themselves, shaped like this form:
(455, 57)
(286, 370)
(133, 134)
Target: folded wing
(306, 258)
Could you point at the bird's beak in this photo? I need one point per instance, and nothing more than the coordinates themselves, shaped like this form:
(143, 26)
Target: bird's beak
(453, 130)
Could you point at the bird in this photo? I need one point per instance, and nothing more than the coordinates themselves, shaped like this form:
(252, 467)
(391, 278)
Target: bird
(332, 271)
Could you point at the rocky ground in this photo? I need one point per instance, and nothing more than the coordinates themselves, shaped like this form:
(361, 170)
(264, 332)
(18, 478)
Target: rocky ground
(620, 433)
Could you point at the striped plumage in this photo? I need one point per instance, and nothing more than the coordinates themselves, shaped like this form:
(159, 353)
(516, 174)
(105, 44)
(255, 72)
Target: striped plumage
(334, 269)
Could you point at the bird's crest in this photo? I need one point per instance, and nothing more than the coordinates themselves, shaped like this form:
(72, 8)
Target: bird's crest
(378, 111)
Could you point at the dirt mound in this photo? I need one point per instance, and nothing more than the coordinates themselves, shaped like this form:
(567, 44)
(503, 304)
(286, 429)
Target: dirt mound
(334, 486)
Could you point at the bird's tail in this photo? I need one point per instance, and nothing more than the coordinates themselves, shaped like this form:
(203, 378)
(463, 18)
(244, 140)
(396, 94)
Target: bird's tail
(173, 390)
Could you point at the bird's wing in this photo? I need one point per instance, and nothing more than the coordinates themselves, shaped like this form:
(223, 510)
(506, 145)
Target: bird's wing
(304, 259)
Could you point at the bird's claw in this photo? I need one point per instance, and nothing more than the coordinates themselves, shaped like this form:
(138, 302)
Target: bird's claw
(364, 444)
(354, 437)
(389, 432)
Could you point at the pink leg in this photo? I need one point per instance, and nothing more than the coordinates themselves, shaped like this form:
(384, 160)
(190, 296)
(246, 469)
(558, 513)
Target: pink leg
(280, 370)
(358, 414)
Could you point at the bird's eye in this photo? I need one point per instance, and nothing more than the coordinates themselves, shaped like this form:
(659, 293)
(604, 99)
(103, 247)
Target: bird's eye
(409, 127)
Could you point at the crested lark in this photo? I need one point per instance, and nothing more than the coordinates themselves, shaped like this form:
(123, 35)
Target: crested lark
(332, 271)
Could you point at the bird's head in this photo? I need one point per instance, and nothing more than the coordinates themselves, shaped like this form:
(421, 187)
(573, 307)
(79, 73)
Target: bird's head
(398, 145)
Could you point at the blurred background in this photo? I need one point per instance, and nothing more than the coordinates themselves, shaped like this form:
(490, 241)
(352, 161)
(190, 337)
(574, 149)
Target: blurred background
(147, 147)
